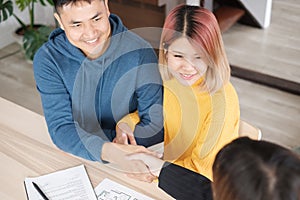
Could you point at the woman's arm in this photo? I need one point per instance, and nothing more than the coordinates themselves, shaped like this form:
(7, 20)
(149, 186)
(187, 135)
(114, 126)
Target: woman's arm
(177, 181)
(125, 129)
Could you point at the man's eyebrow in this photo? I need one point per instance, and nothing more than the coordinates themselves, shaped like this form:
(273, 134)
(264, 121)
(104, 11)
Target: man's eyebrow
(96, 15)
(78, 22)
(75, 22)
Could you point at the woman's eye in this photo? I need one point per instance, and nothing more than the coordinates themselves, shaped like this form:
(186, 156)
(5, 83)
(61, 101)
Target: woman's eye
(177, 56)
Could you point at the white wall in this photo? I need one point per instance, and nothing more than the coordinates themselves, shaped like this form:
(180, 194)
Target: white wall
(44, 15)
(260, 9)
(208, 3)
(172, 3)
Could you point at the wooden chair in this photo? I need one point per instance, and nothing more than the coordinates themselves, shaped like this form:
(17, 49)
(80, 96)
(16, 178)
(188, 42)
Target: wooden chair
(249, 130)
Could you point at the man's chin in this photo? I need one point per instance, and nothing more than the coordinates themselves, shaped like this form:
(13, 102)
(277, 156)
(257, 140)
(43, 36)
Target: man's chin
(94, 54)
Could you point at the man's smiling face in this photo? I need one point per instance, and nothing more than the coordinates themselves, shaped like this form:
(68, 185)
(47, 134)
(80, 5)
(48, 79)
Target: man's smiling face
(86, 25)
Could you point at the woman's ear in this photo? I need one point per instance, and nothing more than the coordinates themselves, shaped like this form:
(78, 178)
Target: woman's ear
(166, 54)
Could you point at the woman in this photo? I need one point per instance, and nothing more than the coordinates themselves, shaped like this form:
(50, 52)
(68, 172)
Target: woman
(201, 108)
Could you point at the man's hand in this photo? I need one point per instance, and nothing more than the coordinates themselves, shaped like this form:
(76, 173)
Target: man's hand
(117, 154)
(124, 134)
(153, 163)
(140, 171)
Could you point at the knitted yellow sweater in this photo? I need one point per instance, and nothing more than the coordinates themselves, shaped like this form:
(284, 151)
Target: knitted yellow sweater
(197, 125)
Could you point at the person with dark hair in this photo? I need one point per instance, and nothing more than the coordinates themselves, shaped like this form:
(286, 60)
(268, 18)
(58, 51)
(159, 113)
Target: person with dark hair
(244, 169)
(90, 74)
(201, 107)
(248, 169)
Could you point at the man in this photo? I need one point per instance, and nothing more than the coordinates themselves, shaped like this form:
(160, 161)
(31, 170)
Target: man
(90, 74)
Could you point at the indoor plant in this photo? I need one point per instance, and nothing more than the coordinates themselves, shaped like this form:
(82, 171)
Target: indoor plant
(34, 34)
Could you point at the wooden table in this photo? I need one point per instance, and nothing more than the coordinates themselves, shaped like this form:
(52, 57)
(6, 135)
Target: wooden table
(27, 150)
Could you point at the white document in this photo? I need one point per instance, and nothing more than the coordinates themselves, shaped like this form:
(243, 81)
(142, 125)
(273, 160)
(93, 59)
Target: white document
(69, 184)
(110, 190)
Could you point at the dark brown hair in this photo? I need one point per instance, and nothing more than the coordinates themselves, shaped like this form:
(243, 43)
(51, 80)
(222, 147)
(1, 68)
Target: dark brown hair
(247, 169)
(60, 3)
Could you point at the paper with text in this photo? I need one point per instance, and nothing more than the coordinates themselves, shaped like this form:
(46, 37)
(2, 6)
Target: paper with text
(110, 190)
(69, 184)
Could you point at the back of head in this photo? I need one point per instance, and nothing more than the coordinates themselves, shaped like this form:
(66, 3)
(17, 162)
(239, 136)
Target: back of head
(248, 169)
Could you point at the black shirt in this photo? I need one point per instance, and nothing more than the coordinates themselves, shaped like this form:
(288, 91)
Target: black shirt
(184, 184)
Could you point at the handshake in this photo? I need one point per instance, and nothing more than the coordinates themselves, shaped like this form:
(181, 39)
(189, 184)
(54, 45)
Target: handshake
(138, 162)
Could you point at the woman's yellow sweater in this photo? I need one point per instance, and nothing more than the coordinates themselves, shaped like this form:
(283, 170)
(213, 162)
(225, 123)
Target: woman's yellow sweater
(196, 124)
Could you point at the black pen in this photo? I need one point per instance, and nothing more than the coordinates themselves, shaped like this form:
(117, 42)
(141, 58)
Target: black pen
(40, 191)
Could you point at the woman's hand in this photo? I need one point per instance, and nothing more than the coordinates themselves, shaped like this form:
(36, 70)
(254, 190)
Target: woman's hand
(124, 134)
(117, 154)
(153, 163)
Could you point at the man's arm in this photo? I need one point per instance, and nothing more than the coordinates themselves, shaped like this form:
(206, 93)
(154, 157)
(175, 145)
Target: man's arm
(57, 106)
(149, 92)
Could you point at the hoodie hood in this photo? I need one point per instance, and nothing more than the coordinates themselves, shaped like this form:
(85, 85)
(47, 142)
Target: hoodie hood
(60, 43)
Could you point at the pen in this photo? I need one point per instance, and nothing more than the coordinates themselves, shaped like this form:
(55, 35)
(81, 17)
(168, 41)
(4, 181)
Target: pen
(40, 191)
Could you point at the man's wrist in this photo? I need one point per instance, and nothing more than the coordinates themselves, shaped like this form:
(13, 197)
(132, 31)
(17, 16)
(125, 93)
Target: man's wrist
(105, 151)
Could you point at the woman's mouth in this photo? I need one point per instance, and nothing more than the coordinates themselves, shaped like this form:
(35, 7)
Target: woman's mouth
(187, 76)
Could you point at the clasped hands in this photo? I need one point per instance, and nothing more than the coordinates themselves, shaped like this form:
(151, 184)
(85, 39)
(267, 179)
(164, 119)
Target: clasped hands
(139, 162)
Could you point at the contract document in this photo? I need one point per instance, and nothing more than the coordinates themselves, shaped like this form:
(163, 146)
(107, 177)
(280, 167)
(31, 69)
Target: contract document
(69, 184)
(74, 184)
(108, 190)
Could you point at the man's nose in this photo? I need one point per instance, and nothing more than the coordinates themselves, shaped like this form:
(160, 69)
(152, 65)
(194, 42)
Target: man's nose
(89, 30)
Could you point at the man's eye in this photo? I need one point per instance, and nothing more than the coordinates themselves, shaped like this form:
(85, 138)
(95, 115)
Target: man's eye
(76, 25)
(97, 19)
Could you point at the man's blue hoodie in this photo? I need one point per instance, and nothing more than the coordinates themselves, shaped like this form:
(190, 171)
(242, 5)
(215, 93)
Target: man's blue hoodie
(84, 99)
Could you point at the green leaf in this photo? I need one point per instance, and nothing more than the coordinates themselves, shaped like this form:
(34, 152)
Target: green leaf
(42, 2)
(6, 9)
(22, 4)
(34, 39)
(50, 2)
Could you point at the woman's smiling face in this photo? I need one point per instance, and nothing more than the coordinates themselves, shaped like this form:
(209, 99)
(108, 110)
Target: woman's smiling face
(185, 63)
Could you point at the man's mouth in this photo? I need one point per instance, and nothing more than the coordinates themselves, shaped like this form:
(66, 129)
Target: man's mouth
(91, 41)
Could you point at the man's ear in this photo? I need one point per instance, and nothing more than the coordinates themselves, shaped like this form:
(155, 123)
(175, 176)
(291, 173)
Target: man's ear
(59, 21)
(106, 5)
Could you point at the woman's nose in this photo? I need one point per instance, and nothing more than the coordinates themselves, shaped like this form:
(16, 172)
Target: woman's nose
(188, 64)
